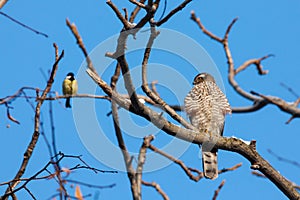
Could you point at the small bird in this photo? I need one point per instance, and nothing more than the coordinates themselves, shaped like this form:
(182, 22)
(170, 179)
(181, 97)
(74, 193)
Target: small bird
(206, 105)
(69, 87)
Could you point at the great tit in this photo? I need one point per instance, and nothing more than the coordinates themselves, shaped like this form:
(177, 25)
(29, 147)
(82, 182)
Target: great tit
(69, 87)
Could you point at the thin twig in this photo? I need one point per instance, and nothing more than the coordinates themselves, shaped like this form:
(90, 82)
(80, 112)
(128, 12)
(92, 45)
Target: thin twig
(282, 159)
(230, 169)
(21, 24)
(139, 4)
(173, 12)
(75, 32)
(118, 14)
(157, 188)
(204, 30)
(217, 191)
(141, 161)
(30, 193)
(295, 186)
(90, 185)
(290, 90)
(135, 12)
(256, 62)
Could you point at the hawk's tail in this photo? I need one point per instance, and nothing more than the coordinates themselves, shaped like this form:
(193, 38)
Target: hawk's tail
(210, 164)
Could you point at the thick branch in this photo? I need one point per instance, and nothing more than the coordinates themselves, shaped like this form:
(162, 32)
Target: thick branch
(230, 144)
(2, 3)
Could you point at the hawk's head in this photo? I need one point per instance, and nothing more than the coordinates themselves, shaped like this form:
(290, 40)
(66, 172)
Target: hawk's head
(203, 77)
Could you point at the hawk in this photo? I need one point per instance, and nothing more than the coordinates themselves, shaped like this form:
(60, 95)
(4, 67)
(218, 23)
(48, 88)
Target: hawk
(206, 105)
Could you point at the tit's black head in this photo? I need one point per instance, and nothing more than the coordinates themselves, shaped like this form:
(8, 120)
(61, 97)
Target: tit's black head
(70, 76)
(203, 77)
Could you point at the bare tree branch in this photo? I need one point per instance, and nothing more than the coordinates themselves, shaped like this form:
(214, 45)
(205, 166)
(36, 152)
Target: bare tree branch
(35, 136)
(217, 191)
(263, 176)
(141, 162)
(139, 4)
(259, 101)
(118, 14)
(75, 32)
(282, 159)
(157, 188)
(229, 144)
(152, 94)
(20, 23)
(59, 157)
(173, 12)
(2, 3)
(135, 11)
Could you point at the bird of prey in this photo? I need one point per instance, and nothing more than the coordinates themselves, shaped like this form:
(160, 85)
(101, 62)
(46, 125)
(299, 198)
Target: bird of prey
(206, 105)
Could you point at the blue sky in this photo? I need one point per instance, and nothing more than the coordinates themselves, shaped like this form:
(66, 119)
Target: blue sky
(263, 28)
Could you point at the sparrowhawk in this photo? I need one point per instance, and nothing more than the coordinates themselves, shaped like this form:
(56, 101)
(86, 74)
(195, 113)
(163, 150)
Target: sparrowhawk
(206, 105)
